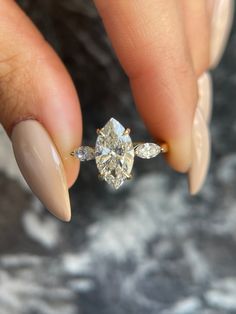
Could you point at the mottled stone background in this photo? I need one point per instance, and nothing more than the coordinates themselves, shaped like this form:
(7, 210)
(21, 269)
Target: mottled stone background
(148, 248)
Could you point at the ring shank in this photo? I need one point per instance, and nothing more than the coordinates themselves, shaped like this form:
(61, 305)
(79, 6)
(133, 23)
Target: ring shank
(164, 148)
(88, 152)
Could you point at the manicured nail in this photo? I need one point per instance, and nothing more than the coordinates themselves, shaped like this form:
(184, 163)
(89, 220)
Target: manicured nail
(200, 153)
(221, 23)
(205, 95)
(41, 167)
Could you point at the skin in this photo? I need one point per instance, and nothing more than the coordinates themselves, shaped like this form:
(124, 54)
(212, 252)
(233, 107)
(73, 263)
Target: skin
(162, 45)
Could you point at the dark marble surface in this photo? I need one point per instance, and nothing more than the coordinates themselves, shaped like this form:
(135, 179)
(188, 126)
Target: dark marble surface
(148, 248)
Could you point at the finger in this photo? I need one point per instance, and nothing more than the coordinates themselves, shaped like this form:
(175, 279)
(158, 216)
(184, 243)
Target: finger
(197, 28)
(150, 42)
(35, 85)
(221, 16)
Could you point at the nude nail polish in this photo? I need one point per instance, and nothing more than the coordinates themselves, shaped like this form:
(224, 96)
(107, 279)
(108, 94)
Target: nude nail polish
(41, 166)
(205, 95)
(200, 153)
(221, 23)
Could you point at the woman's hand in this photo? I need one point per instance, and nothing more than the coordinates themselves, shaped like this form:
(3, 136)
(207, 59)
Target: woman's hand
(164, 46)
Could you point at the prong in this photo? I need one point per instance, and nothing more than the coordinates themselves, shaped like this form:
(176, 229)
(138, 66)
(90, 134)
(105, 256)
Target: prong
(127, 131)
(72, 154)
(164, 148)
(129, 176)
(100, 177)
(99, 132)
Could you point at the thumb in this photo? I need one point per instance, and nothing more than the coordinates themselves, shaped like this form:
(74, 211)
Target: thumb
(39, 109)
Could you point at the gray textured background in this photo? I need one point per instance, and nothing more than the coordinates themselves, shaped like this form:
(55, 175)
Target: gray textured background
(148, 248)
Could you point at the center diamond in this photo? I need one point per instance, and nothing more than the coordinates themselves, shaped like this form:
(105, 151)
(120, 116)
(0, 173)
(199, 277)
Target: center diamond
(114, 153)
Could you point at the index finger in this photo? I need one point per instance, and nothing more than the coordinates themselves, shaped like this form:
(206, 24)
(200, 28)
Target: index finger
(150, 42)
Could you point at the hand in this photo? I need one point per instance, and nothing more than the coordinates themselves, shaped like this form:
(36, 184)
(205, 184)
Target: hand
(164, 46)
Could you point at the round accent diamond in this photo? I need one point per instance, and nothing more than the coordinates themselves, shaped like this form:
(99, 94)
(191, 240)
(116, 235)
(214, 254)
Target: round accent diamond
(147, 150)
(114, 153)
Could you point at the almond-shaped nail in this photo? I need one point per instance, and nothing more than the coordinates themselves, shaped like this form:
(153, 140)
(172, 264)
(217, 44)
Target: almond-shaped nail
(205, 95)
(200, 153)
(221, 23)
(41, 166)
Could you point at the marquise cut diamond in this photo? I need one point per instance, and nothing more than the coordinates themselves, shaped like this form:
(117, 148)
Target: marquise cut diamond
(114, 153)
(147, 150)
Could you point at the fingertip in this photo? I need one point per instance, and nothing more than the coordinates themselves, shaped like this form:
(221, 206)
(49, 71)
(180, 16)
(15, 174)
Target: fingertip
(41, 166)
(179, 155)
(72, 168)
(66, 218)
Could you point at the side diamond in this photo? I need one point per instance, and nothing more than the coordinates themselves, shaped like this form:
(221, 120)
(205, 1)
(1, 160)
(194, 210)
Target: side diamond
(147, 150)
(85, 153)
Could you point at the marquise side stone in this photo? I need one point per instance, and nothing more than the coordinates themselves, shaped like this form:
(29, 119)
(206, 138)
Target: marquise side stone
(147, 150)
(85, 153)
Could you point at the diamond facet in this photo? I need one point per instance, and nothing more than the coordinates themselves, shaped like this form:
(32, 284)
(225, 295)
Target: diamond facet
(147, 150)
(114, 153)
(84, 153)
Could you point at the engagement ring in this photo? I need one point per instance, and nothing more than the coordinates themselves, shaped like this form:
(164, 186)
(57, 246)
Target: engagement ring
(114, 153)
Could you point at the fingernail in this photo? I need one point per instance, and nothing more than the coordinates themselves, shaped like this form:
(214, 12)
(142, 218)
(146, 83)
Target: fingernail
(41, 166)
(205, 95)
(221, 23)
(200, 153)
